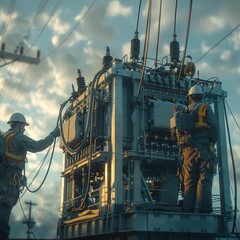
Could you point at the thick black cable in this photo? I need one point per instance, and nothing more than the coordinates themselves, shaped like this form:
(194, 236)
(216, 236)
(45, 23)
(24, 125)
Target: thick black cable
(186, 42)
(45, 177)
(139, 10)
(234, 171)
(158, 35)
(207, 52)
(175, 18)
(50, 163)
(39, 167)
(88, 130)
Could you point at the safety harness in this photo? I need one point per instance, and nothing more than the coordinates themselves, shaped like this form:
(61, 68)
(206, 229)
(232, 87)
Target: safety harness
(201, 120)
(8, 150)
(12, 182)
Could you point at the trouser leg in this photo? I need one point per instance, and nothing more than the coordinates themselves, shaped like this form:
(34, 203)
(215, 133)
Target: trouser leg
(204, 189)
(5, 212)
(190, 186)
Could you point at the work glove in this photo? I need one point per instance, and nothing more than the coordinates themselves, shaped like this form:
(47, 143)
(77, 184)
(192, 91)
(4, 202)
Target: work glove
(56, 132)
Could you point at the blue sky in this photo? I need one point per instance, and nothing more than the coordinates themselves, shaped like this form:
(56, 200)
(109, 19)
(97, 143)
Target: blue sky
(69, 41)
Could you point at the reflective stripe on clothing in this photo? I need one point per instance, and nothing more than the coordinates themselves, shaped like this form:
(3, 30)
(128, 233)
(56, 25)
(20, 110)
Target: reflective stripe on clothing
(8, 150)
(201, 120)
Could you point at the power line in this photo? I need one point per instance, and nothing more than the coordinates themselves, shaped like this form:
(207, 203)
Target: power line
(217, 44)
(19, 86)
(36, 17)
(6, 83)
(10, 13)
(49, 19)
(145, 50)
(186, 42)
(73, 29)
(29, 222)
(158, 35)
(233, 115)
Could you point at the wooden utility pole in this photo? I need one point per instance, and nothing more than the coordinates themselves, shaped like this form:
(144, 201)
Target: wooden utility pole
(18, 57)
(29, 222)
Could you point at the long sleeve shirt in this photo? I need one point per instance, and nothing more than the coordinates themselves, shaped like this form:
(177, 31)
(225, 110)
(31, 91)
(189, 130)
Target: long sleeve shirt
(21, 144)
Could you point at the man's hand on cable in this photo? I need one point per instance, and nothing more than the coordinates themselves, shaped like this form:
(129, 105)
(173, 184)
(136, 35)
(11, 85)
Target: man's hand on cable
(56, 132)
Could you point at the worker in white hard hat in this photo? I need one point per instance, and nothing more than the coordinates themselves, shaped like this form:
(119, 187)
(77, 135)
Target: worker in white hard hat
(199, 160)
(16, 147)
(196, 90)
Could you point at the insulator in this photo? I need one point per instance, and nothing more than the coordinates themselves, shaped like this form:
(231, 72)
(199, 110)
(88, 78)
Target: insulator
(135, 47)
(107, 59)
(21, 50)
(38, 53)
(174, 50)
(80, 82)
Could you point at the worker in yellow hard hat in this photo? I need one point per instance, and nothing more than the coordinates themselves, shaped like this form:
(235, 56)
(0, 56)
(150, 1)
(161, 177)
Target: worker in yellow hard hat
(16, 147)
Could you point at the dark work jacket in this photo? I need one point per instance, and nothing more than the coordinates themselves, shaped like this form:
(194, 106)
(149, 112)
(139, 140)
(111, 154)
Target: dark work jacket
(204, 136)
(21, 144)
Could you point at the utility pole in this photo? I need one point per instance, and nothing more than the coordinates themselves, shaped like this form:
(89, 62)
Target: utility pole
(18, 57)
(29, 222)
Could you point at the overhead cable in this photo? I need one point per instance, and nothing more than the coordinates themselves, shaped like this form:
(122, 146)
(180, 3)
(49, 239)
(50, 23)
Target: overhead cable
(175, 18)
(71, 32)
(206, 53)
(7, 81)
(139, 9)
(158, 35)
(25, 217)
(233, 116)
(186, 42)
(48, 169)
(145, 51)
(36, 18)
(43, 29)
(14, 96)
(10, 13)
(234, 171)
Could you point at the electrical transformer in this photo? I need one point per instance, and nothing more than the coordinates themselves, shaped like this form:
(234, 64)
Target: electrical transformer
(120, 164)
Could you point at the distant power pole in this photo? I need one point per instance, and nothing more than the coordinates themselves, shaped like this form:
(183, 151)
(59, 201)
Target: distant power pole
(18, 57)
(29, 222)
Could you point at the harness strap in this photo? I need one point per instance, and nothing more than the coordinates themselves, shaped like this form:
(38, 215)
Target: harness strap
(201, 120)
(191, 154)
(8, 150)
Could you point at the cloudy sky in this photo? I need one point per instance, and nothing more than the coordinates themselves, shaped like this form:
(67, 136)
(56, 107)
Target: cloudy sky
(73, 34)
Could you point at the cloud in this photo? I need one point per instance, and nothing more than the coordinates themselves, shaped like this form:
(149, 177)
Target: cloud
(44, 214)
(225, 55)
(213, 24)
(38, 91)
(58, 25)
(235, 39)
(115, 8)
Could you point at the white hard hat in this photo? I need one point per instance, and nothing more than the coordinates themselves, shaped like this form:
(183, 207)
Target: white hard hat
(195, 90)
(18, 117)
